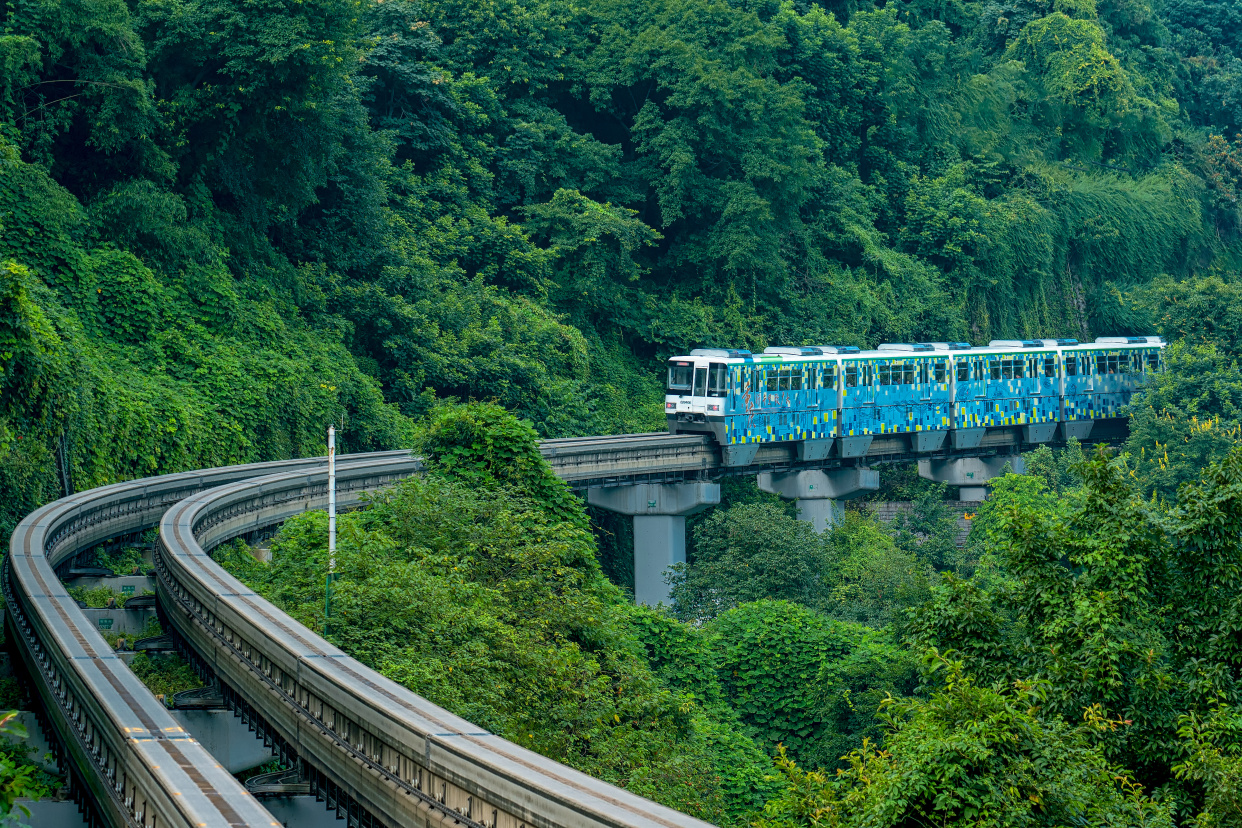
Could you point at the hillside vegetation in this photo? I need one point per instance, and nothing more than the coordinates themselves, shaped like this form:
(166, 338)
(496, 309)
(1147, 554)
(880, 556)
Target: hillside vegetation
(1084, 673)
(223, 224)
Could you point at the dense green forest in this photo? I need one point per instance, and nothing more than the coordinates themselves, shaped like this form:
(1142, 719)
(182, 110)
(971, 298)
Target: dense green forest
(223, 224)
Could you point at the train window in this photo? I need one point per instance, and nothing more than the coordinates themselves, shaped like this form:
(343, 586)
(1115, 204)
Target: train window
(1006, 369)
(795, 379)
(1101, 364)
(680, 376)
(784, 374)
(882, 375)
(829, 376)
(773, 381)
(700, 382)
(1071, 366)
(909, 373)
(1153, 361)
(851, 376)
(1113, 364)
(941, 371)
(716, 386)
(963, 372)
(1019, 368)
(1050, 366)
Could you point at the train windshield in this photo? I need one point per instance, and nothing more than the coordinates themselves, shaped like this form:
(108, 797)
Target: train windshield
(680, 377)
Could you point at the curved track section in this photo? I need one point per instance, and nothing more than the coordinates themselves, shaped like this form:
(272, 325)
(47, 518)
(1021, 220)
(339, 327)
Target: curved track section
(141, 769)
(379, 752)
(127, 753)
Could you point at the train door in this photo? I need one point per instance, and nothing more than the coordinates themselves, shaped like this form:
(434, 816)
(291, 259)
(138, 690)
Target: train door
(828, 398)
(1048, 396)
(717, 388)
(965, 388)
(1077, 386)
(938, 395)
(857, 398)
(996, 378)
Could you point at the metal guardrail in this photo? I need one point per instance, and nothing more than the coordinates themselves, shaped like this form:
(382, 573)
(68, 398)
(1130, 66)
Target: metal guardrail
(125, 752)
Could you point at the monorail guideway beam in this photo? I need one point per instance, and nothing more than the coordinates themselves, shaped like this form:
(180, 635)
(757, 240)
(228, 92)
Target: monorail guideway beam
(971, 474)
(658, 479)
(819, 492)
(659, 511)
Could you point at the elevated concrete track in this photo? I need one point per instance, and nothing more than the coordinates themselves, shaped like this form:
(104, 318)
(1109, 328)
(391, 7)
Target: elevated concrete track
(378, 753)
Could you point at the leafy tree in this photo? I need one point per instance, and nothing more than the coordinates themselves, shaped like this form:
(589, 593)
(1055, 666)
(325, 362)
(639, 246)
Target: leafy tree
(1056, 468)
(477, 587)
(19, 777)
(972, 755)
(871, 579)
(748, 552)
(802, 683)
(1186, 417)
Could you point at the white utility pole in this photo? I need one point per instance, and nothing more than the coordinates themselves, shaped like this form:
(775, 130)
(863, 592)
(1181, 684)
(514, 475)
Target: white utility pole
(331, 499)
(331, 576)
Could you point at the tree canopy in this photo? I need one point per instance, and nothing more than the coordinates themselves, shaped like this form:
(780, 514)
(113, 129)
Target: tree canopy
(223, 225)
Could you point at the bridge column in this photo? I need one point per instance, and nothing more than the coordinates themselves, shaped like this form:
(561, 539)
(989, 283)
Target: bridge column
(970, 474)
(659, 511)
(818, 492)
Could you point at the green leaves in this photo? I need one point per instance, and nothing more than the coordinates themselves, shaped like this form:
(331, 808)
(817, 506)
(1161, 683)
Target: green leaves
(972, 755)
(755, 551)
(484, 445)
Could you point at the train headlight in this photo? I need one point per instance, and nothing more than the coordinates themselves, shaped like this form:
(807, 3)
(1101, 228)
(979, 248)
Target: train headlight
(713, 408)
(669, 405)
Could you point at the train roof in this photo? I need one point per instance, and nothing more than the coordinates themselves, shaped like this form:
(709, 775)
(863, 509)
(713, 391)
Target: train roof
(894, 350)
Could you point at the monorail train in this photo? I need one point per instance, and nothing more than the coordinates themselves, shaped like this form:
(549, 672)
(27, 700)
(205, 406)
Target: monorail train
(827, 396)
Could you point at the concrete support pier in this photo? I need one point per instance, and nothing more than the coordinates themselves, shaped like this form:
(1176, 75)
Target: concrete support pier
(818, 492)
(659, 511)
(970, 474)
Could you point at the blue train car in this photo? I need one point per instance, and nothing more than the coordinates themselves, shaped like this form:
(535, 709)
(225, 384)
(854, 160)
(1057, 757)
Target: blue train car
(747, 399)
(1008, 383)
(898, 389)
(1101, 377)
(835, 398)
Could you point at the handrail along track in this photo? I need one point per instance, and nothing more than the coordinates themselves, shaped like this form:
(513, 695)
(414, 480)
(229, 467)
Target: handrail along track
(126, 753)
